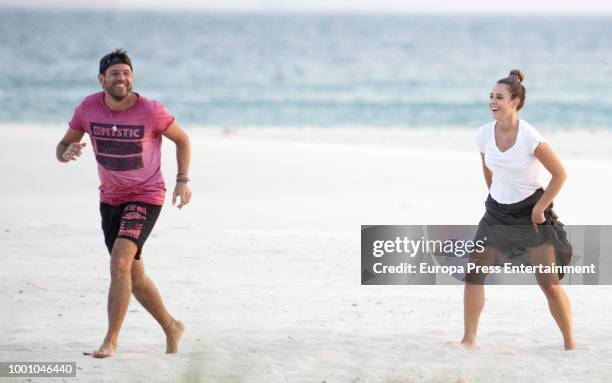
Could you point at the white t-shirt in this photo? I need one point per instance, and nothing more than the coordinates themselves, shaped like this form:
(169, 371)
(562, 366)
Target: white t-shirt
(516, 172)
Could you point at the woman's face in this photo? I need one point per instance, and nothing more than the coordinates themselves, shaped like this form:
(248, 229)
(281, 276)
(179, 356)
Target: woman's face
(501, 103)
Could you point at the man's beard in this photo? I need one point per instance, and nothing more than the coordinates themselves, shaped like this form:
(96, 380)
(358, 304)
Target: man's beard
(116, 96)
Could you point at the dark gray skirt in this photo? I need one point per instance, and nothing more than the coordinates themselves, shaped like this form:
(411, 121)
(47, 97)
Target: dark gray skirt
(508, 228)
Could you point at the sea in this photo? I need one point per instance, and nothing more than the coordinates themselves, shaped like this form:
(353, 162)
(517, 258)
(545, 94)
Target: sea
(326, 70)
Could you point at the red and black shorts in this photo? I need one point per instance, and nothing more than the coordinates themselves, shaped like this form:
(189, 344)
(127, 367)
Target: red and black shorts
(132, 221)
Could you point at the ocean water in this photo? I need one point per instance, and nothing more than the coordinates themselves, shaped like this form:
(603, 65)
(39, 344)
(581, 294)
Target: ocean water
(324, 70)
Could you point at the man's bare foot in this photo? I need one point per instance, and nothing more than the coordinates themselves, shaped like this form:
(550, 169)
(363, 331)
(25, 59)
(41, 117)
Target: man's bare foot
(107, 349)
(173, 336)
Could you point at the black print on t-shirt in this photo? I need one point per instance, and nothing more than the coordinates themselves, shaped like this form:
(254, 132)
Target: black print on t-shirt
(120, 148)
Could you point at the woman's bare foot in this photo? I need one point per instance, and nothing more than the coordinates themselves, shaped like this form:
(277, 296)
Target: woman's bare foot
(107, 349)
(173, 336)
(569, 346)
(468, 345)
(462, 345)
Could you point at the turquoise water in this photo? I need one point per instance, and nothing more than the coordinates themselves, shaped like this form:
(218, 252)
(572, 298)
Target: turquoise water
(327, 70)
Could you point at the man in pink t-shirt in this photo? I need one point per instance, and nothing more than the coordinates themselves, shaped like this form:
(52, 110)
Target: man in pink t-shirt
(126, 132)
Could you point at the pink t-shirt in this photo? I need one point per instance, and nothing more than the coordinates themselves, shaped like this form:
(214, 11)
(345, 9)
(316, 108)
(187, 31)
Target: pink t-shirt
(127, 145)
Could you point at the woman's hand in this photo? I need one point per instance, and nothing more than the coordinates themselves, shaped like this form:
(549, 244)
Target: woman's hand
(537, 217)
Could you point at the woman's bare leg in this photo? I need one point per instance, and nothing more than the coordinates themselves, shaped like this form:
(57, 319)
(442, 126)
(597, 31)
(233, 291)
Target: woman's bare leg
(558, 302)
(473, 304)
(474, 296)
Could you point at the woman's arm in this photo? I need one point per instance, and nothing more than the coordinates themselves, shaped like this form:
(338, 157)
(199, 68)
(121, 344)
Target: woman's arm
(551, 162)
(488, 175)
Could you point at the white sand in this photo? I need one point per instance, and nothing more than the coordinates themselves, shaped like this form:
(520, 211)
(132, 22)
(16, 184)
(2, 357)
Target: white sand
(264, 265)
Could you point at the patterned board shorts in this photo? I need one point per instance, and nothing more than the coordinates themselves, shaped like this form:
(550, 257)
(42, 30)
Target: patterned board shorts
(132, 221)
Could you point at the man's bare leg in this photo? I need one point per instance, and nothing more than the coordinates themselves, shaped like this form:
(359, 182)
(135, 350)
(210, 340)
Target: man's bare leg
(119, 294)
(147, 294)
(558, 302)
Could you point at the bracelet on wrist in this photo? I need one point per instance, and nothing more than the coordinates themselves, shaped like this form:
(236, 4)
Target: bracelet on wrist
(184, 179)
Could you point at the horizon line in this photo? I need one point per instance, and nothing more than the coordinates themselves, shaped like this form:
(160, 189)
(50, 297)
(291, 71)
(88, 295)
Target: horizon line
(304, 11)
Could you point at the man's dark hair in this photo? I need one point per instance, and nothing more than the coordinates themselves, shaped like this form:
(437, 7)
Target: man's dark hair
(118, 56)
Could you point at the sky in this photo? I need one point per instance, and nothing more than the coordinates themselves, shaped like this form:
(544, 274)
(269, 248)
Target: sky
(596, 7)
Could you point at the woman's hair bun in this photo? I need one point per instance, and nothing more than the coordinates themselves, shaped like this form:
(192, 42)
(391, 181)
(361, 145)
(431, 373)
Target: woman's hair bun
(517, 74)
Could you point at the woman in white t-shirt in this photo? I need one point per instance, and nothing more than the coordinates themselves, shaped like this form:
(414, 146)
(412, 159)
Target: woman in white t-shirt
(513, 153)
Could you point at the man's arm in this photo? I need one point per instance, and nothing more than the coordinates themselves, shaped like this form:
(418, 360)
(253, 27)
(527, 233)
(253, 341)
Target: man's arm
(183, 156)
(69, 148)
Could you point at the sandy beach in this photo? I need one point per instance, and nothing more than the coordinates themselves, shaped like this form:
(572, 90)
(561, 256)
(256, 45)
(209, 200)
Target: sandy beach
(263, 267)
